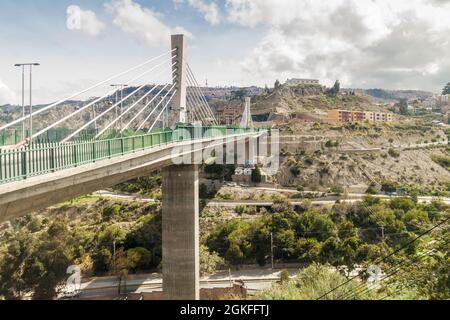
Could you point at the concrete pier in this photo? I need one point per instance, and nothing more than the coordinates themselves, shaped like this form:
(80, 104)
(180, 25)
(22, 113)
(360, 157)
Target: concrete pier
(180, 223)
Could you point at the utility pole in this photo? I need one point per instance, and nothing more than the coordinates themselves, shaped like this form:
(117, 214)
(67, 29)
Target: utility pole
(114, 257)
(31, 98)
(120, 87)
(382, 232)
(271, 250)
(94, 114)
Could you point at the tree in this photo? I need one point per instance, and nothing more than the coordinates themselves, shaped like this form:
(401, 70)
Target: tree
(336, 89)
(372, 189)
(239, 94)
(313, 282)
(308, 250)
(389, 186)
(45, 267)
(277, 84)
(446, 89)
(110, 212)
(315, 225)
(209, 261)
(256, 175)
(403, 107)
(203, 191)
(101, 260)
(132, 260)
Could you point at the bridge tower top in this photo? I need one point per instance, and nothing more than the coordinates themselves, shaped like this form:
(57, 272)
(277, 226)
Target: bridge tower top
(178, 113)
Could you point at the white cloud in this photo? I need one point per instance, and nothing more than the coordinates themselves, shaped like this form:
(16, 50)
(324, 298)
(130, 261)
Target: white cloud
(210, 11)
(84, 21)
(7, 96)
(375, 42)
(144, 23)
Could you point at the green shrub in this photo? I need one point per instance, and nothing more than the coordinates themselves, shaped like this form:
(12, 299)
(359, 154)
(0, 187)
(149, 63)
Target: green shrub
(393, 153)
(110, 212)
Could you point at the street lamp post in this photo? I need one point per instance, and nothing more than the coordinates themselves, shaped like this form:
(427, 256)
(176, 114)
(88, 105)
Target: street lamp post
(120, 87)
(31, 98)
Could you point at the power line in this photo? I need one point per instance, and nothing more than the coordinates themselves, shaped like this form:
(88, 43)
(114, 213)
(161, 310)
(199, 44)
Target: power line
(362, 289)
(386, 257)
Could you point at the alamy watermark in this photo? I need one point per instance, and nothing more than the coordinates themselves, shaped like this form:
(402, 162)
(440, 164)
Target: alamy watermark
(245, 150)
(73, 21)
(375, 273)
(73, 283)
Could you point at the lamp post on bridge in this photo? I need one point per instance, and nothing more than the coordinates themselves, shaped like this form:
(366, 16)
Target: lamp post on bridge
(23, 65)
(120, 87)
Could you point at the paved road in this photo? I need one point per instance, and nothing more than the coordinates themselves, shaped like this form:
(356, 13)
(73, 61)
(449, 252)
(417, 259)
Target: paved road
(330, 200)
(107, 287)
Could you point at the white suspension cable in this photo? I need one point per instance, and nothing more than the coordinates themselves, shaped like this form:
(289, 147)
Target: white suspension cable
(200, 108)
(192, 107)
(35, 113)
(101, 115)
(92, 103)
(155, 108)
(194, 113)
(144, 108)
(200, 104)
(130, 108)
(202, 96)
(162, 111)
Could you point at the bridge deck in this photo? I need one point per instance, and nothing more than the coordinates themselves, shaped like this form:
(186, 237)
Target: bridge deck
(43, 158)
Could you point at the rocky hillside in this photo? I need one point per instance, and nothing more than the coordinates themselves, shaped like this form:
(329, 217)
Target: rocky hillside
(281, 104)
(355, 156)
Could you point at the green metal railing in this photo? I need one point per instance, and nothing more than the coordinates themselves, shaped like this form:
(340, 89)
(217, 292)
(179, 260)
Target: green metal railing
(43, 158)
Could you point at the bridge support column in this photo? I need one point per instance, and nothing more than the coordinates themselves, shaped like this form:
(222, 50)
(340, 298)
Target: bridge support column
(180, 233)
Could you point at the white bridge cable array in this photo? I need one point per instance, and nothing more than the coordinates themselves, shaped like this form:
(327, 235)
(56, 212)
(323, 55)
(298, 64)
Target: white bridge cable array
(192, 110)
(162, 111)
(195, 105)
(132, 106)
(102, 114)
(195, 100)
(39, 111)
(145, 107)
(198, 100)
(156, 108)
(95, 101)
(201, 95)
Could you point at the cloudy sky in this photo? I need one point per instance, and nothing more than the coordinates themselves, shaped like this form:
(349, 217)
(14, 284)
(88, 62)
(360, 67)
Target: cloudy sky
(394, 44)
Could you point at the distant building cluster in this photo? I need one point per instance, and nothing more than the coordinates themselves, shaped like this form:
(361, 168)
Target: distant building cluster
(359, 116)
(444, 99)
(296, 82)
(229, 114)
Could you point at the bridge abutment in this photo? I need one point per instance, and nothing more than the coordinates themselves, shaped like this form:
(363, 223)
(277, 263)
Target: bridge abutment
(180, 234)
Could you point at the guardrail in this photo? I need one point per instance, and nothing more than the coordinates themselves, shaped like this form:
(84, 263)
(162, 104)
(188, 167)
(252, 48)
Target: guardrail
(42, 158)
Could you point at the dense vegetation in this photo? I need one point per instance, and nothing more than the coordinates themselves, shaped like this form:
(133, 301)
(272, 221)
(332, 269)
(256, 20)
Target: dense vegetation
(36, 250)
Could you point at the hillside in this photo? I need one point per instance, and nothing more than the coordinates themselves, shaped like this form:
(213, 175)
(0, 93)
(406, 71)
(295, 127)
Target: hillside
(396, 95)
(281, 104)
(355, 156)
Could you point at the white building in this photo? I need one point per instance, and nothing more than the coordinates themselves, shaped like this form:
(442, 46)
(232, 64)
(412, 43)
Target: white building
(296, 82)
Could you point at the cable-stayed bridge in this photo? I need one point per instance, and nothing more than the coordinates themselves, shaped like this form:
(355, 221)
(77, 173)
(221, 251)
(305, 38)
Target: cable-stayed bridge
(168, 126)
